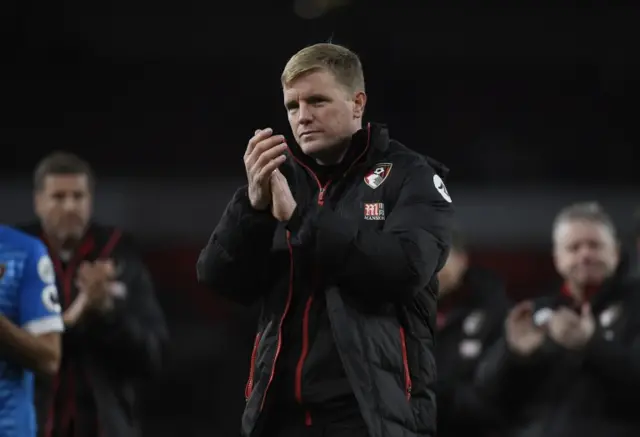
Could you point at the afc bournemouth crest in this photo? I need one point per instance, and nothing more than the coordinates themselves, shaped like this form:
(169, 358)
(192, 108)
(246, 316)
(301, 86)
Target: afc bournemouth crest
(374, 211)
(378, 175)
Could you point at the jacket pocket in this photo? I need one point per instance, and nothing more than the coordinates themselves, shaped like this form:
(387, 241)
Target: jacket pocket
(405, 365)
(249, 387)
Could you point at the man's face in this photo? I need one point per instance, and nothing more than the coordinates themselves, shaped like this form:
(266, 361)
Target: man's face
(450, 277)
(64, 206)
(322, 113)
(585, 252)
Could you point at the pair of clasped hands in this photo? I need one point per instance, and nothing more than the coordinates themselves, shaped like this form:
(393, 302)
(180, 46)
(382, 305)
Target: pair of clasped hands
(97, 285)
(267, 185)
(567, 328)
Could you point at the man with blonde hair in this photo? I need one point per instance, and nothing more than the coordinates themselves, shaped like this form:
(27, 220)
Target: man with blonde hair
(339, 235)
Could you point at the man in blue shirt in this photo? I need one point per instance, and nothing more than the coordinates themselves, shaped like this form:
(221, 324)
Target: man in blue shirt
(30, 327)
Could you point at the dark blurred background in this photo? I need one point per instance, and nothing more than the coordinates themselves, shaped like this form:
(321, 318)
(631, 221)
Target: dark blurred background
(531, 106)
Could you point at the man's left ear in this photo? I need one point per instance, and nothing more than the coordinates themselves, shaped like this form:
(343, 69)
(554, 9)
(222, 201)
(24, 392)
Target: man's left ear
(359, 102)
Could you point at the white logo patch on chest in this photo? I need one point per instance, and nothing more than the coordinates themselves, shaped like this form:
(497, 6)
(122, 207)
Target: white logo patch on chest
(473, 323)
(470, 349)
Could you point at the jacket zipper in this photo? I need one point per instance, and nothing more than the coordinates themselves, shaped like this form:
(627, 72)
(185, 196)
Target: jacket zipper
(66, 276)
(303, 357)
(405, 365)
(284, 314)
(249, 387)
(322, 190)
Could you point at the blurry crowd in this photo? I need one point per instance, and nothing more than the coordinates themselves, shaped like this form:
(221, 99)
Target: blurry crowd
(564, 364)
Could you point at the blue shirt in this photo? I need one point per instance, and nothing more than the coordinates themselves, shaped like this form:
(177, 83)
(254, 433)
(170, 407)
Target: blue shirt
(29, 299)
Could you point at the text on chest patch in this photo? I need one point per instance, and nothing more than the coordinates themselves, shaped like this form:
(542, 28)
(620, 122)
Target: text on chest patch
(374, 211)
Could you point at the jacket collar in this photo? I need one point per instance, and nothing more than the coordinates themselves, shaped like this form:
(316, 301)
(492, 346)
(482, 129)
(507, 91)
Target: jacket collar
(363, 145)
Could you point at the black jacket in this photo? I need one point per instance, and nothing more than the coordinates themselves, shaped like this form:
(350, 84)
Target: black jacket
(370, 253)
(472, 321)
(558, 393)
(104, 356)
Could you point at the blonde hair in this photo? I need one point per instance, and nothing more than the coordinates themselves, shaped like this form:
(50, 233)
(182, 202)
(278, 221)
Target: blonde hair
(336, 59)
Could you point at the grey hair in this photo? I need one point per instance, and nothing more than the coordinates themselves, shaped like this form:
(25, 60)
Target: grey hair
(585, 211)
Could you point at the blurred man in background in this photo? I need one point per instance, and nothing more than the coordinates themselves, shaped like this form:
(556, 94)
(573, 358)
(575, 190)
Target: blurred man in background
(341, 247)
(471, 309)
(114, 328)
(569, 364)
(30, 326)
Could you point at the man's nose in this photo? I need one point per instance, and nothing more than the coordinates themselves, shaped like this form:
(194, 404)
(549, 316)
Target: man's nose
(69, 203)
(587, 254)
(304, 114)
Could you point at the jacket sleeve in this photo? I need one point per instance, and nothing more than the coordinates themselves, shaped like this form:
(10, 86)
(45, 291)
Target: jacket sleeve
(234, 262)
(132, 336)
(395, 263)
(617, 361)
(503, 377)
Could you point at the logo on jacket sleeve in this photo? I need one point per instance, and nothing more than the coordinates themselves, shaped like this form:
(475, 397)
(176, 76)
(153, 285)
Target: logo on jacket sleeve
(439, 184)
(46, 271)
(50, 299)
(374, 211)
(378, 175)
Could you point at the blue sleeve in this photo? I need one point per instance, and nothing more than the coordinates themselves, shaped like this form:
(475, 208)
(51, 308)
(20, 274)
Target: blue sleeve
(39, 305)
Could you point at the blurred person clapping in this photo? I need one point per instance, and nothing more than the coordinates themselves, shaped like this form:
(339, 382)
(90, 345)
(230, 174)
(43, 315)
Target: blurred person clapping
(115, 331)
(569, 363)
